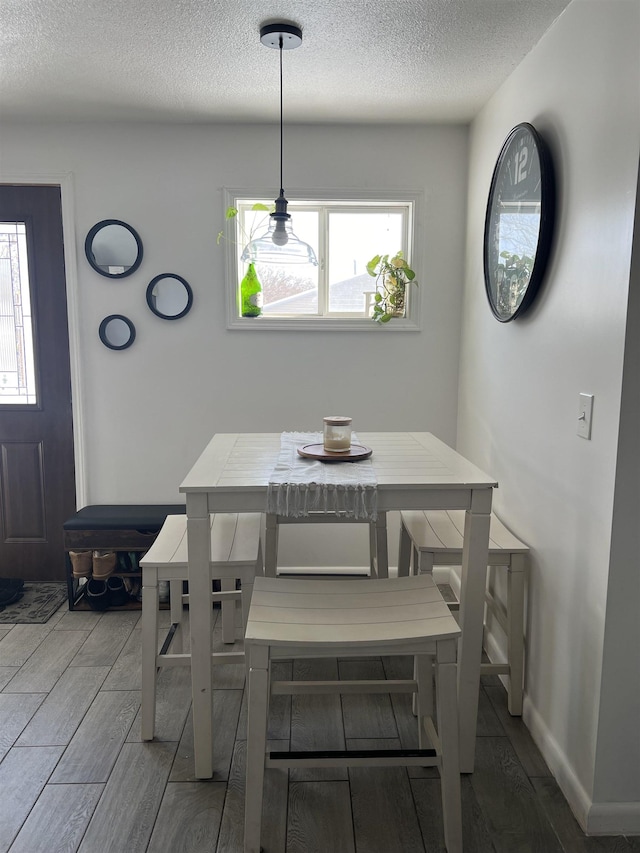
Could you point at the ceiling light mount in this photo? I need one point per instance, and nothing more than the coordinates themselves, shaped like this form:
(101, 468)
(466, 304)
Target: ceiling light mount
(271, 34)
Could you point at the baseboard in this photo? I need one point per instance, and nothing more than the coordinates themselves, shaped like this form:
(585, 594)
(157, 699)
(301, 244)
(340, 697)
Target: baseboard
(496, 652)
(323, 571)
(594, 818)
(614, 819)
(442, 575)
(571, 787)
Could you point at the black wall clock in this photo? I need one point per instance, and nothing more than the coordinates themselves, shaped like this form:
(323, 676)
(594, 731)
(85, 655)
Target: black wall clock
(519, 223)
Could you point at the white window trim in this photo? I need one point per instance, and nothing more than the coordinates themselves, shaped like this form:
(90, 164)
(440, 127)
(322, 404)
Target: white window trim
(411, 323)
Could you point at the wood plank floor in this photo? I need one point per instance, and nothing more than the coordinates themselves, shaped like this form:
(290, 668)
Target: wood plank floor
(75, 776)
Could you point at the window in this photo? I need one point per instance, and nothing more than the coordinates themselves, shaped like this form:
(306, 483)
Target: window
(345, 233)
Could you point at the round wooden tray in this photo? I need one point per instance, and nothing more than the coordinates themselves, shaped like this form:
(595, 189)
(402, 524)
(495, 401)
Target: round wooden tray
(355, 453)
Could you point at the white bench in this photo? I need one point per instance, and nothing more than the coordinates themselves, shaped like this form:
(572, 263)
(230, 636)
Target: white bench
(435, 538)
(354, 618)
(235, 555)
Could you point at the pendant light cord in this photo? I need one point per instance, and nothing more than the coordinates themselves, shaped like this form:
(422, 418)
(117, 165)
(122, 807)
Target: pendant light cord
(281, 134)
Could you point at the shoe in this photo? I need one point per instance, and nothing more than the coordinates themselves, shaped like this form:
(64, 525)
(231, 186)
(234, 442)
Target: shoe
(81, 563)
(133, 588)
(123, 562)
(11, 590)
(104, 564)
(118, 595)
(97, 594)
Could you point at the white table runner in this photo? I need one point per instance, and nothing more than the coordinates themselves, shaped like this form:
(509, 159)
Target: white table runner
(299, 486)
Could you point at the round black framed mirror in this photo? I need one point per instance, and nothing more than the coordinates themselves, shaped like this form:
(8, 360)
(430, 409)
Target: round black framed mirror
(519, 223)
(117, 332)
(113, 248)
(169, 296)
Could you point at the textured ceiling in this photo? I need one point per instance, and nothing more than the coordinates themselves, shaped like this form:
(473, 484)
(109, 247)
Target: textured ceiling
(371, 61)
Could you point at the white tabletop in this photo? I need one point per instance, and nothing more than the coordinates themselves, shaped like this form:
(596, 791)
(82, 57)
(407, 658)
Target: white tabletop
(237, 466)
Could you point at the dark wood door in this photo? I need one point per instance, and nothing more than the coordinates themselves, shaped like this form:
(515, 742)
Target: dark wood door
(37, 477)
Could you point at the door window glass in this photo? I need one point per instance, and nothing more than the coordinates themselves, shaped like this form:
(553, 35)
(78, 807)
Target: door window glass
(17, 369)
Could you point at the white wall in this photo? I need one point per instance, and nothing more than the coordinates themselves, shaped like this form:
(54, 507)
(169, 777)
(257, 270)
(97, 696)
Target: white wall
(618, 731)
(149, 410)
(519, 382)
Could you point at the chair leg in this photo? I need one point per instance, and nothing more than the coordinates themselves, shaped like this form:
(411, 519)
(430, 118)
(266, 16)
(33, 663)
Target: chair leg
(424, 562)
(423, 699)
(515, 633)
(404, 552)
(228, 612)
(247, 592)
(447, 703)
(258, 709)
(150, 604)
(175, 599)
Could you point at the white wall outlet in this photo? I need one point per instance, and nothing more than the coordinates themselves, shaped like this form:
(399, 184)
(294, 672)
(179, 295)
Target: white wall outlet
(585, 412)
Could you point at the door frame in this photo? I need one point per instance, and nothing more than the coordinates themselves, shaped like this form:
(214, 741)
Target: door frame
(64, 180)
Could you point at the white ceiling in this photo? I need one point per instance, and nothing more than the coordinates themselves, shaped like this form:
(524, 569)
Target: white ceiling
(371, 61)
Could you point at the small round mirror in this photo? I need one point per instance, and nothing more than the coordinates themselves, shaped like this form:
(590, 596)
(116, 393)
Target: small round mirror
(113, 248)
(169, 296)
(117, 332)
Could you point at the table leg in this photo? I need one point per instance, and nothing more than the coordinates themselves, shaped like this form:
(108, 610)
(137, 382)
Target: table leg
(200, 627)
(381, 557)
(271, 546)
(473, 582)
(372, 549)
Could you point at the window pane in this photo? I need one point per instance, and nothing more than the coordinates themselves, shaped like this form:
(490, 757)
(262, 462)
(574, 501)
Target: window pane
(355, 238)
(17, 372)
(289, 289)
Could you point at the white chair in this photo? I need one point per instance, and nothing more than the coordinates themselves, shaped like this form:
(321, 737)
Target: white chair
(235, 555)
(291, 618)
(435, 538)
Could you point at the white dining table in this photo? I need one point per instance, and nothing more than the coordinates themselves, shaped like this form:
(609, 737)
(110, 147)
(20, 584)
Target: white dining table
(414, 470)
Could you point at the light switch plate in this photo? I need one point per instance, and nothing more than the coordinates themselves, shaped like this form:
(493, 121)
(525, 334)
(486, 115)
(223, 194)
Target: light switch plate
(585, 412)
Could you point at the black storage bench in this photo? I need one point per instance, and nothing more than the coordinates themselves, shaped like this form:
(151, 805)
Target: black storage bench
(129, 529)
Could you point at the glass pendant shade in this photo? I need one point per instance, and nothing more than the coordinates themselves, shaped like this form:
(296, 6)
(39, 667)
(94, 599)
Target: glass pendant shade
(263, 250)
(278, 244)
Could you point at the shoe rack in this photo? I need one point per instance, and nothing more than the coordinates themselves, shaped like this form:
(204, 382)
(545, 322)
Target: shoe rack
(129, 546)
(127, 567)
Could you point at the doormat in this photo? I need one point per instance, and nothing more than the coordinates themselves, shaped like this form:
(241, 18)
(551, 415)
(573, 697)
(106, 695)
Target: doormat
(39, 602)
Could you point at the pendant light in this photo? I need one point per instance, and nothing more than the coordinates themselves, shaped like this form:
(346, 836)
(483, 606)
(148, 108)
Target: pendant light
(279, 245)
